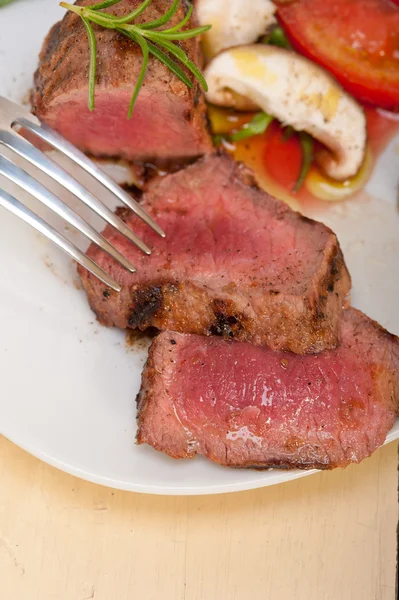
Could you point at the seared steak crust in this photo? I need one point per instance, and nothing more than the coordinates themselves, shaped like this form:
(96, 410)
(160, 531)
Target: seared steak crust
(245, 406)
(235, 262)
(169, 121)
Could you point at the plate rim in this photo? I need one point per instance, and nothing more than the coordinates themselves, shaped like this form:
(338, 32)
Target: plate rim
(282, 476)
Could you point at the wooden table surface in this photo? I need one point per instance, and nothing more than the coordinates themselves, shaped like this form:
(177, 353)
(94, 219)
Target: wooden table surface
(330, 536)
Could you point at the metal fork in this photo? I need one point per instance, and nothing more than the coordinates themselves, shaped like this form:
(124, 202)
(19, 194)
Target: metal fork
(12, 115)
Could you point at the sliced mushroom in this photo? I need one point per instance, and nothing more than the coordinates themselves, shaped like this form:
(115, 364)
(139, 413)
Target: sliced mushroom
(298, 93)
(234, 22)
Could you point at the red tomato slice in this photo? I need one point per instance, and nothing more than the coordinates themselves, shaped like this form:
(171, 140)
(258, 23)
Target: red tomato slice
(282, 157)
(356, 40)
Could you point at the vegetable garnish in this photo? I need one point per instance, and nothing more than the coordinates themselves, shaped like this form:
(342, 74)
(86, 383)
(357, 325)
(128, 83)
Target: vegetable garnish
(288, 132)
(261, 75)
(146, 35)
(306, 141)
(257, 126)
(4, 2)
(234, 22)
(277, 37)
(307, 144)
(356, 40)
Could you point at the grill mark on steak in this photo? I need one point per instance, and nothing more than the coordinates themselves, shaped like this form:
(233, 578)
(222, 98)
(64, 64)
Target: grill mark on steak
(146, 302)
(333, 275)
(318, 411)
(242, 264)
(228, 323)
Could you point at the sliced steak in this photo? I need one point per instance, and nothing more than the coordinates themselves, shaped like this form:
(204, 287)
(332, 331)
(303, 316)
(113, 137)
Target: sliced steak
(245, 406)
(235, 262)
(169, 120)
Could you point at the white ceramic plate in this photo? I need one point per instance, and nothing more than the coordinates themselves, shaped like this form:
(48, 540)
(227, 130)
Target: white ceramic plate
(68, 385)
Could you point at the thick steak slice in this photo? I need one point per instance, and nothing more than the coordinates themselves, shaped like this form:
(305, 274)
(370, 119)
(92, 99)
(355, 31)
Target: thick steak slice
(235, 262)
(169, 120)
(245, 406)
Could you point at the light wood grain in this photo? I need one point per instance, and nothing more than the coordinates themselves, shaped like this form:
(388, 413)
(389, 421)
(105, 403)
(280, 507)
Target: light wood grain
(330, 536)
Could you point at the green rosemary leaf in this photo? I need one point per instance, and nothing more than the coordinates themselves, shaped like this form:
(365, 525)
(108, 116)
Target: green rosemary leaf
(133, 15)
(257, 126)
(277, 37)
(181, 35)
(93, 61)
(4, 2)
(99, 18)
(172, 66)
(306, 141)
(145, 50)
(105, 4)
(182, 56)
(72, 7)
(182, 23)
(164, 19)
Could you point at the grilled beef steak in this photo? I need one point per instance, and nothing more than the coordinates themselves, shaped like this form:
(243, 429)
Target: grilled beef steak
(235, 262)
(245, 406)
(169, 119)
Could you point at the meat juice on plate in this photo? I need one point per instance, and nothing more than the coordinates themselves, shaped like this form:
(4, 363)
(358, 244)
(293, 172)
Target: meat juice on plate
(276, 158)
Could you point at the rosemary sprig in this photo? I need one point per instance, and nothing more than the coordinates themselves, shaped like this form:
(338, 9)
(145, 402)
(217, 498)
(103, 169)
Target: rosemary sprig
(4, 2)
(93, 60)
(147, 36)
(164, 58)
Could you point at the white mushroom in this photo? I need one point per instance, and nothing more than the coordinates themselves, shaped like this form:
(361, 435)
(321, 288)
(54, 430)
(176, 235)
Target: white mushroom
(234, 22)
(298, 93)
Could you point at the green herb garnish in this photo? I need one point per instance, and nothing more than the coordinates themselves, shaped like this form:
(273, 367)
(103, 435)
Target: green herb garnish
(4, 2)
(278, 38)
(159, 43)
(288, 132)
(257, 126)
(306, 141)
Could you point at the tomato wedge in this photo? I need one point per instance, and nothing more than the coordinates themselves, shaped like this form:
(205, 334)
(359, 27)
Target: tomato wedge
(356, 40)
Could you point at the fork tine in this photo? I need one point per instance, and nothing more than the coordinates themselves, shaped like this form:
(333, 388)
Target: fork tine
(50, 136)
(24, 213)
(15, 142)
(9, 170)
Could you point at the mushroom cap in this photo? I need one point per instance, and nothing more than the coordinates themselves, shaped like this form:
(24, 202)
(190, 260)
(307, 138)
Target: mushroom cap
(298, 93)
(234, 22)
